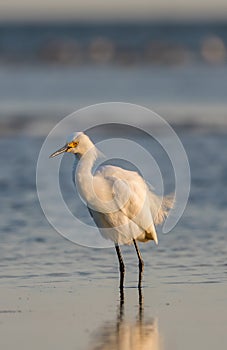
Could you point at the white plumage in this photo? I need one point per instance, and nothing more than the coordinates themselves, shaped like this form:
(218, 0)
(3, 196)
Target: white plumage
(120, 201)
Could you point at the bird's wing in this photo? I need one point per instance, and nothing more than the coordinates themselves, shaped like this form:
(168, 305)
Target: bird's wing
(130, 195)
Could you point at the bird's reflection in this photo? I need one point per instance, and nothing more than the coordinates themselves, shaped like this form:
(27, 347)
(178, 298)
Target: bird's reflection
(140, 334)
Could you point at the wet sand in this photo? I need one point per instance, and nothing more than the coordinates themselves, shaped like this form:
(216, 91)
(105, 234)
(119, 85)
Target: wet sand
(90, 315)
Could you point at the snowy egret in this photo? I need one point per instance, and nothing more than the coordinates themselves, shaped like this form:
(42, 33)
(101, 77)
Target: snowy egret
(122, 204)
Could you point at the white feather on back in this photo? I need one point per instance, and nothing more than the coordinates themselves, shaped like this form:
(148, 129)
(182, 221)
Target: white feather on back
(138, 207)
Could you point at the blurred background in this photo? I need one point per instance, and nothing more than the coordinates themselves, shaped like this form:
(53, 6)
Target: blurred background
(55, 58)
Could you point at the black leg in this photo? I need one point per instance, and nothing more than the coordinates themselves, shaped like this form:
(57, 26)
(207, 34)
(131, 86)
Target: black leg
(141, 263)
(121, 266)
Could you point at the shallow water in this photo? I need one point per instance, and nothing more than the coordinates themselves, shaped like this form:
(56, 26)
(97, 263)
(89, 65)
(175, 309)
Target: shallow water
(195, 246)
(56, 294)
(178, 93)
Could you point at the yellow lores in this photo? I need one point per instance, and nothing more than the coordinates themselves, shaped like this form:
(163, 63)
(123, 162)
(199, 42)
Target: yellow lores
(72, 144)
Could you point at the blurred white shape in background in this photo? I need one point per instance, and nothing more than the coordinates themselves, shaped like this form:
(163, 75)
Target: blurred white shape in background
(213, 50)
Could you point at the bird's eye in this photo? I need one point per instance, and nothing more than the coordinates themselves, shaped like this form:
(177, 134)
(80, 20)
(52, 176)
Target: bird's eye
(73, 144)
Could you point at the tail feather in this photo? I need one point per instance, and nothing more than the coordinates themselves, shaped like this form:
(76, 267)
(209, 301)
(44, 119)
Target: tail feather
(160, 206)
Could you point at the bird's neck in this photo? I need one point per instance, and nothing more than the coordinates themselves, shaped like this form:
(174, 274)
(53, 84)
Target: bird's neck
(83, 176)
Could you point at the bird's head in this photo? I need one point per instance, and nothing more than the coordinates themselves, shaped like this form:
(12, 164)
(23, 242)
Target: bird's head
(77, 143)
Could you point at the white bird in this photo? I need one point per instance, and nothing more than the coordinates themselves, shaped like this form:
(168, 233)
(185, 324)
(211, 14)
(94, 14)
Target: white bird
(122, 204)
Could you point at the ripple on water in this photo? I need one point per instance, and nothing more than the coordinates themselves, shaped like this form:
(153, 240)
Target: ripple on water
(192, 253)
